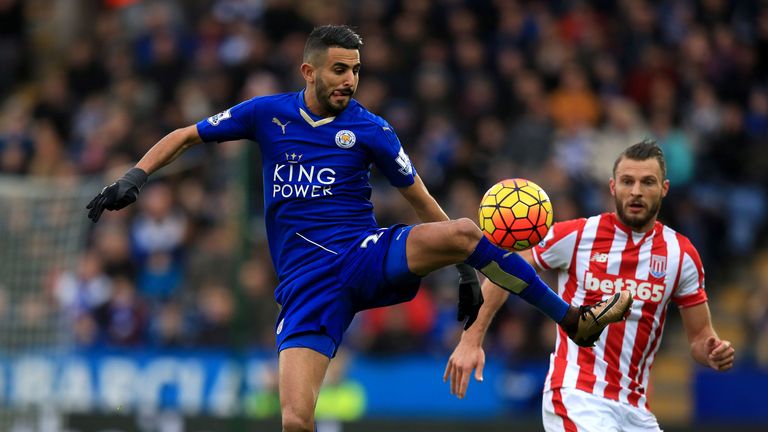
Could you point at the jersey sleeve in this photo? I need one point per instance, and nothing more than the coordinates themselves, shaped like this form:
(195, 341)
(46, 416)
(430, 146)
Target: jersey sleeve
(690, 286)
(557, 248)
(390, 158)
(231, 124)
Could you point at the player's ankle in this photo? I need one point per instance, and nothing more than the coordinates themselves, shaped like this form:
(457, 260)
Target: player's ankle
(570, 322)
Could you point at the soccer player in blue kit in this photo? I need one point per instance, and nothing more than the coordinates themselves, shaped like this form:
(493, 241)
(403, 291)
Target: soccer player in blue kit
(331, 257)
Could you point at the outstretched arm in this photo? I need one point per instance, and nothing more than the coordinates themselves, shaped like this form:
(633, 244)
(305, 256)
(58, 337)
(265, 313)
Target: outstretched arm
(425, 206)
(169, 148)
(468, 354)
(125, 190)
(706, 347)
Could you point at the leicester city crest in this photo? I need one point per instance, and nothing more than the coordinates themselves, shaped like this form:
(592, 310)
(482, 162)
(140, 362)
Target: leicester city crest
(345, 138)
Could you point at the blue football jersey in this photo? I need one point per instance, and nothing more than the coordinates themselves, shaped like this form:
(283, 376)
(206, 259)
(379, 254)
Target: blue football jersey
(316, 172)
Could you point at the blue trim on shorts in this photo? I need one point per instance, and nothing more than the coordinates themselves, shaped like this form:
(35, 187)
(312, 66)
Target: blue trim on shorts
(315, 341)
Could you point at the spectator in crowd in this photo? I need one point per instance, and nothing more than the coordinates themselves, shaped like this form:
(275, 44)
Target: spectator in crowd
(81, 291)
(123, 318)
(215, 315)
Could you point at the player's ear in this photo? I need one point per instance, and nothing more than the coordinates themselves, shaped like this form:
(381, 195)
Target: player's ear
(308, 72)
(612, 186)
(664, 188)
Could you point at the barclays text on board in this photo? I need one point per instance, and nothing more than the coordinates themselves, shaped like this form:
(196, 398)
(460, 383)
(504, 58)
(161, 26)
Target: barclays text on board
(210, 384)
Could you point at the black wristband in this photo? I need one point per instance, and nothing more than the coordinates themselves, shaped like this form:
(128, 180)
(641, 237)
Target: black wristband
(136, 177)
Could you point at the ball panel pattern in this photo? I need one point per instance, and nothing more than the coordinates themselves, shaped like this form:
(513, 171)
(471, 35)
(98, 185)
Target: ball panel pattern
(515, 214)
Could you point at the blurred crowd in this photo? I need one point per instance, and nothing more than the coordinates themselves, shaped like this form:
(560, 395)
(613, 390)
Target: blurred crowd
(477, 91)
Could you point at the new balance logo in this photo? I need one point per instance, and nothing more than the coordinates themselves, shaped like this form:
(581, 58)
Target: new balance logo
(599, 257)
(279, 123)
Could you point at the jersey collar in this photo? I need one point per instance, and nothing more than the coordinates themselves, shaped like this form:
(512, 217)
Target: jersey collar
(307, 115)
(632, 234)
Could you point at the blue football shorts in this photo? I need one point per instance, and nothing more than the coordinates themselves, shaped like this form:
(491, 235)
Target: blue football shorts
(315, 341)
(373, 272)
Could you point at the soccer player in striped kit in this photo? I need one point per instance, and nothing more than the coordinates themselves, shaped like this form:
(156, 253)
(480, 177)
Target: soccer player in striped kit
(603, 388)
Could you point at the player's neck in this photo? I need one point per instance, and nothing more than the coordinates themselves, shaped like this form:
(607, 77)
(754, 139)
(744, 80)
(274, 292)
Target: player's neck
(314, 106)
(642, 230)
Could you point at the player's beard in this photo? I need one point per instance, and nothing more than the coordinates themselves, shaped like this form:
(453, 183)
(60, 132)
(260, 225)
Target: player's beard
(637, 222)
(325, 97)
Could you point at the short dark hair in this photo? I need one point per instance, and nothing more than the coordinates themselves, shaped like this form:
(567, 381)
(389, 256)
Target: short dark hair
(645, 149)
(327, 36)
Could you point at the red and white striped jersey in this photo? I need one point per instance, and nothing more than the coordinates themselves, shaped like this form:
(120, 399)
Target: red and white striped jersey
(597, 257)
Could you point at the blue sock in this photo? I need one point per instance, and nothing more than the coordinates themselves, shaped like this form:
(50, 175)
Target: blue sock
(510, 271)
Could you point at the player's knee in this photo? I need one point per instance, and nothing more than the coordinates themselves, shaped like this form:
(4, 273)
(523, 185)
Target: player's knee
(294, 422)
(466, 234)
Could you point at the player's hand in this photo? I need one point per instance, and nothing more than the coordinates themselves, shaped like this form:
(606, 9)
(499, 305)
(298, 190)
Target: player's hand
(470, 295)
(465, 358)
(117, 195)
(720, 354)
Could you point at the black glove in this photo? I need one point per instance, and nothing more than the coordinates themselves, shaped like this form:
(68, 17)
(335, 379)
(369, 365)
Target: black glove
(470, 295)
(119, 194)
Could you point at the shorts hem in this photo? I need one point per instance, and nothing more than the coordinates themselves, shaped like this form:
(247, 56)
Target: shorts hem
(318, 341)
